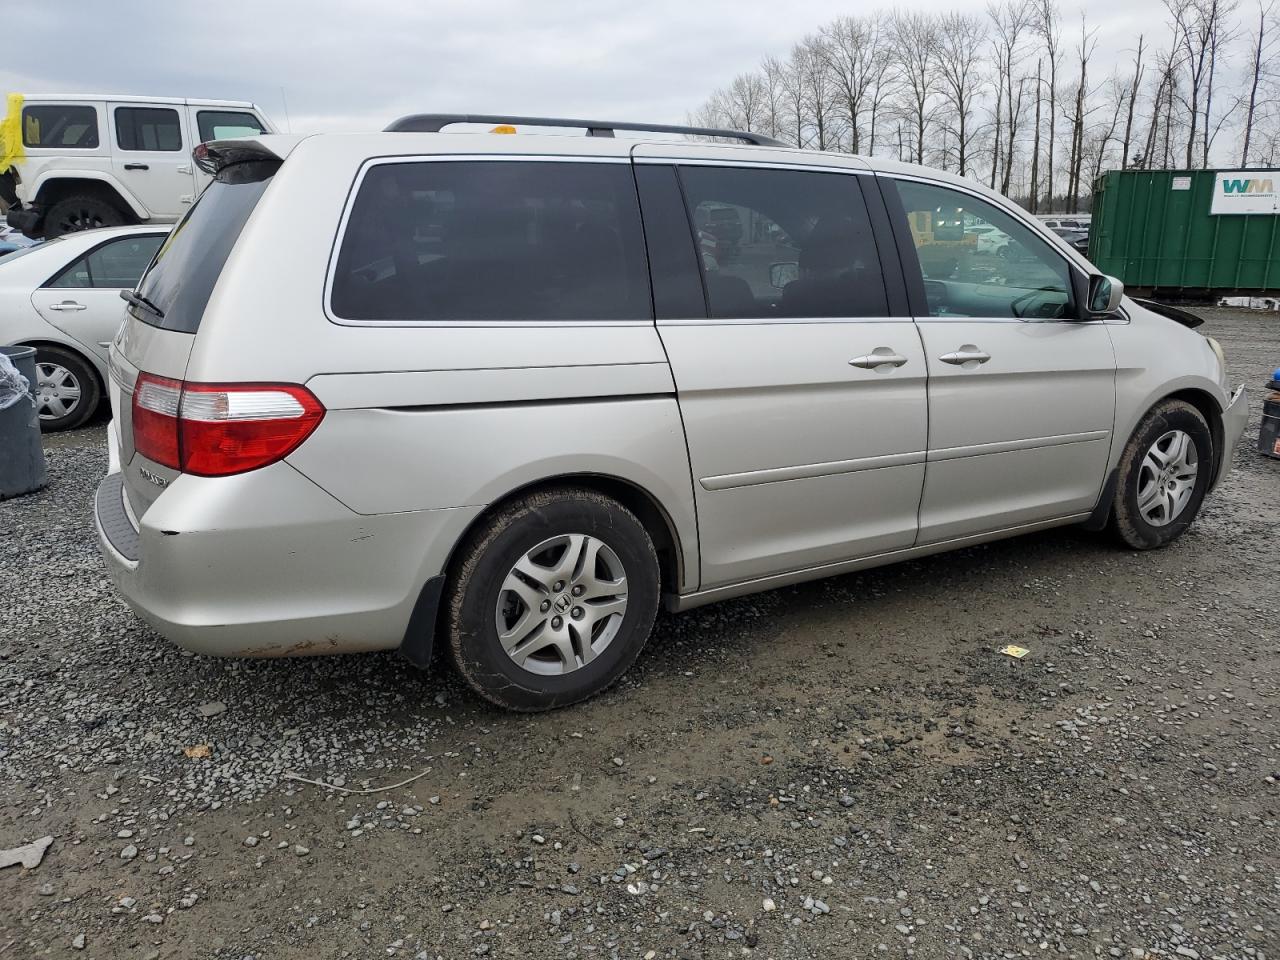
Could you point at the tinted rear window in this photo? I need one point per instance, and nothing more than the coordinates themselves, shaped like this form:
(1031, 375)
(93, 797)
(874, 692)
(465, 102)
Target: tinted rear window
(148, 128)
(60, 125)
(227, 125)
(187, 265)
(484, 241)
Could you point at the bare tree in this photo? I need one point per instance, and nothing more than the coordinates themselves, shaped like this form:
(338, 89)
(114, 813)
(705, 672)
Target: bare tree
(817, 85)
(885, 77)
(1033, 203)
(1262, 53)
(1221, 33)
(794, 98)
(1049, 27)
(772, 72)
(1085, 47)
(1100, 142)
(998, 123)
(960, 39)
(959, 91)
(747, 101)
(1134, 87)
(1199, 35)
(1012, 21)
(915, 38)
(854, 56)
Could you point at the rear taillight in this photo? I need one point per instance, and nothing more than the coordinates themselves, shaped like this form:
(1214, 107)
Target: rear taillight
(155, 418)
(217, 429)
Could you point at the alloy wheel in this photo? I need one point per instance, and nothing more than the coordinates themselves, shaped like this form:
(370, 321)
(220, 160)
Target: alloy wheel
(561, 604)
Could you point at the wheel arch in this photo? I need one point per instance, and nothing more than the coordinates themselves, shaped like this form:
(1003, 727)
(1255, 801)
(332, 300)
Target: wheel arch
(648, 509)
(1209, 408)
(424, 622)
(70, 346)
(57, 185)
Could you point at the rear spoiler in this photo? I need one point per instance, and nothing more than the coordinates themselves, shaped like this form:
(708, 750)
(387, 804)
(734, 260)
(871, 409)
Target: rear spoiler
(213, 156)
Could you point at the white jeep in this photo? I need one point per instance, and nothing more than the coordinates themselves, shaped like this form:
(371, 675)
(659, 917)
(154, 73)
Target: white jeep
(101, 161)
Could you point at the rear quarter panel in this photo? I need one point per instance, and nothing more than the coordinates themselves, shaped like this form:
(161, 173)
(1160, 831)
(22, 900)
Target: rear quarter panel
(425, 417)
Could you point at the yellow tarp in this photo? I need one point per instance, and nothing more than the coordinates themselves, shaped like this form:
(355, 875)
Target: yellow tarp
(11, 133)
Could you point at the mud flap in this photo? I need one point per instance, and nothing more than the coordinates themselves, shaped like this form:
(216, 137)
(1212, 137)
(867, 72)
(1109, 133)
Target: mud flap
(1102, 512)
(419, 637)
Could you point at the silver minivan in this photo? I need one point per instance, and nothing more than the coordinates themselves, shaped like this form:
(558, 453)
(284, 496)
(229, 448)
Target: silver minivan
(510, 393)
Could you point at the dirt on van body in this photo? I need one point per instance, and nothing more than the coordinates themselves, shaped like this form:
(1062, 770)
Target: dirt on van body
(848, 768)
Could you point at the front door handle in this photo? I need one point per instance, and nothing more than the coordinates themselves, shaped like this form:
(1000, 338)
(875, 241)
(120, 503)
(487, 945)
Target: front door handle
(136, 166)
(968, 357)
(881, 359)
(67, 305)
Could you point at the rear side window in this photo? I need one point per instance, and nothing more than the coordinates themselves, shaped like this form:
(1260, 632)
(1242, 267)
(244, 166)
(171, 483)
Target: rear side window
(227, 125)
(188, 263)
(115, 265)
(60, 125)
(493, 240)
(148, 128)
(784, 243)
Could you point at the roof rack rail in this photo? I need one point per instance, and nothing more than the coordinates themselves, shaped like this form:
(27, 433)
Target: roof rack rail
(435, 122)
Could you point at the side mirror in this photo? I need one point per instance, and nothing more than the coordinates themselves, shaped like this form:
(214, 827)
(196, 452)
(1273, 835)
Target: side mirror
(780, 274)
(1105, 294)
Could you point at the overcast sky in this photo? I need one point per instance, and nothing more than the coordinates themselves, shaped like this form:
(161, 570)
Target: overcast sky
(356, 66)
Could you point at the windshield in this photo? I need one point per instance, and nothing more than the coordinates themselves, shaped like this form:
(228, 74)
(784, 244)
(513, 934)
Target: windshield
(181, 278)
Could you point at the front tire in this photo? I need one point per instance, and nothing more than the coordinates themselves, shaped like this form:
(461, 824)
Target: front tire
(67, 389)
(552, 599)
(1164, 476)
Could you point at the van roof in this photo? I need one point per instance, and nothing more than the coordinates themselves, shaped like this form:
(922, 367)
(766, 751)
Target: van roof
(358, 147)
(126, 98)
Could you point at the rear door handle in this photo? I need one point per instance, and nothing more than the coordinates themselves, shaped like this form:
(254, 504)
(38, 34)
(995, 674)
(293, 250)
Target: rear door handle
(881, 359)
(136, 166)
(968, 356)
(67, 305)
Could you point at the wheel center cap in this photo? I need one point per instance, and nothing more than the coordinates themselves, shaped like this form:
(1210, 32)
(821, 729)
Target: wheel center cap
(563, 603)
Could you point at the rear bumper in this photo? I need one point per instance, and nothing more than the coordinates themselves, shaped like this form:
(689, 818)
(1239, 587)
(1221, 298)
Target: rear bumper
(267, 564)
(1234, 419)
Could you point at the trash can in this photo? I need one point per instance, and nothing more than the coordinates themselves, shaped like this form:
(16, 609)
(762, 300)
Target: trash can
(1269, 433)
(21, 453)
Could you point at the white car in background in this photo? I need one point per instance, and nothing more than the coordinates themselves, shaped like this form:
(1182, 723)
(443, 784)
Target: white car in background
(104, 160)
(989, 239)
(63, 298)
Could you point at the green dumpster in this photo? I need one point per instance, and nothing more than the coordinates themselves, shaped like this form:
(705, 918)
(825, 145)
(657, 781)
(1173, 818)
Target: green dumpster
(1193, 234)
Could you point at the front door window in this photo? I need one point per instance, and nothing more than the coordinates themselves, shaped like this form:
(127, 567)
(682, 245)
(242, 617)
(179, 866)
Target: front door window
(979, 261)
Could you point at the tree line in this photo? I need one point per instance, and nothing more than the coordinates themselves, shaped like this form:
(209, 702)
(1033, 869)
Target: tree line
(1011, 97)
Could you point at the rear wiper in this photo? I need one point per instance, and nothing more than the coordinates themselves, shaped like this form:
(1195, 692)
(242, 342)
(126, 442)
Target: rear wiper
(138, 300)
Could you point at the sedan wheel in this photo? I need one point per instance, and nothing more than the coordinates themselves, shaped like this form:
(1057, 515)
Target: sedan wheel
(58, 391)
(67, 389)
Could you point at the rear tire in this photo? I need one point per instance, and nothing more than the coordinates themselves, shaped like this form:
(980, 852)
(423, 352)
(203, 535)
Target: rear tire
(552, 599)
(67, 389)
(1164, 476)
(80, 212)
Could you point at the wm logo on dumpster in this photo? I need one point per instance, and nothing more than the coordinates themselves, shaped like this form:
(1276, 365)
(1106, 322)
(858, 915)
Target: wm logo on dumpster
(1248, 186)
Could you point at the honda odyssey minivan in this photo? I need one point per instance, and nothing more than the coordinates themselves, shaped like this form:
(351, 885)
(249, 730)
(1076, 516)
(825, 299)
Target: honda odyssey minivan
(419, 387)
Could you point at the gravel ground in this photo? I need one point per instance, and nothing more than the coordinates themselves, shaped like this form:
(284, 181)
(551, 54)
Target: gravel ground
(842, 769)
